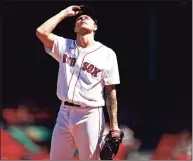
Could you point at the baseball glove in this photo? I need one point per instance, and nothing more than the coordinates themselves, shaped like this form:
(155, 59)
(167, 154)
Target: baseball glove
(112, 142)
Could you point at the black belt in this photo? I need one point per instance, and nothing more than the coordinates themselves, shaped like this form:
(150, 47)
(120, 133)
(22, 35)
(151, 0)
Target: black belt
(71, 104)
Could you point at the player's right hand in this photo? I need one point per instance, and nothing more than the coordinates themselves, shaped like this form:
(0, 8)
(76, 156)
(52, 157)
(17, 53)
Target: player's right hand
(72, 11)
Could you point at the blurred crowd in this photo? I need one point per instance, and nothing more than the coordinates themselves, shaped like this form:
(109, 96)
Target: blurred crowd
(26, 134)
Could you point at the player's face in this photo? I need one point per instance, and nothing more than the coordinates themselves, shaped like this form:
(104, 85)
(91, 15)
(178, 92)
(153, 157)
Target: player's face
(85, 23)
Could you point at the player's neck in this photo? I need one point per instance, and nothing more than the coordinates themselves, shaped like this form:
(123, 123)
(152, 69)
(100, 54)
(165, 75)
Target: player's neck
(85, 41)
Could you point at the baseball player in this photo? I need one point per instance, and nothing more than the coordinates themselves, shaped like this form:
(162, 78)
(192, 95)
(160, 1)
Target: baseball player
(86, 68)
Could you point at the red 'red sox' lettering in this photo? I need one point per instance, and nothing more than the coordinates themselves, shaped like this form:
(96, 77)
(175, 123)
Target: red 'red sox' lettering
(85, 65)
(70, 61)
(90, 68)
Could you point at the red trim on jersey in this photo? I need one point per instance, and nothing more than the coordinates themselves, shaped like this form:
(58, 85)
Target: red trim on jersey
(81, 68)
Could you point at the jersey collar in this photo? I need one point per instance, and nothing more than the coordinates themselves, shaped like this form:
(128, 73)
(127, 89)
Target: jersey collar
(95, 45)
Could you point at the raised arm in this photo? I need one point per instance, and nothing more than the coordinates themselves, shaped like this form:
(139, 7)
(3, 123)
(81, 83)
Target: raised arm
(111, 104)
(44, 32)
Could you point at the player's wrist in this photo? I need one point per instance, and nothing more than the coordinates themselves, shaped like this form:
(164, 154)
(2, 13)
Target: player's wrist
(113, 123)
(114, 126)
(64, 13)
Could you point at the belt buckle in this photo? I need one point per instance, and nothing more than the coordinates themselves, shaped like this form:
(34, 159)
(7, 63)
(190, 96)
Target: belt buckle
(76, 105)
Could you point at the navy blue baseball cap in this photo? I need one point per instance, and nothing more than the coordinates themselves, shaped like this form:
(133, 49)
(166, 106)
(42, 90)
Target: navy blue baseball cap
(86, 10)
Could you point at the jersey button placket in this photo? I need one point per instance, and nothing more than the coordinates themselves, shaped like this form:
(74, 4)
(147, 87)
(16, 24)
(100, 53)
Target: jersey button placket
(77, 73)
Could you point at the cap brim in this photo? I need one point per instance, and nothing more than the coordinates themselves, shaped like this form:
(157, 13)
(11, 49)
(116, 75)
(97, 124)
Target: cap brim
(89, 12)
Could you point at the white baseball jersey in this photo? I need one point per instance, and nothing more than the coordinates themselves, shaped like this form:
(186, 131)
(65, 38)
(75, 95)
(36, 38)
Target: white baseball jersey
(83, 72)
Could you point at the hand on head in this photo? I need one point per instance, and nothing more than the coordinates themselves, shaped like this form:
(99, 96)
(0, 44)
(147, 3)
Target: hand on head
(72, 11)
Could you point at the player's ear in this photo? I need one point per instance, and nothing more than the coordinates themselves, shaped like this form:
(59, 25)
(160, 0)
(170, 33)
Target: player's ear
(95, 27)
(75, 29)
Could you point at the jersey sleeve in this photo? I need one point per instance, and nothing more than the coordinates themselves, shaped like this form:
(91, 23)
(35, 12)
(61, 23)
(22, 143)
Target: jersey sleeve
(59, 47)
(113, 74)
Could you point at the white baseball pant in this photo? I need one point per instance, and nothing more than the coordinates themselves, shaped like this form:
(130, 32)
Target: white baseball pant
(77, 127)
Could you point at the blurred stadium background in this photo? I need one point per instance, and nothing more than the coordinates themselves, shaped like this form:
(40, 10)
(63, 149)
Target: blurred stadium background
(153, 46)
